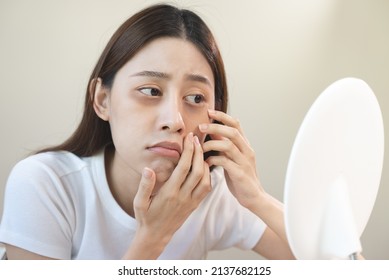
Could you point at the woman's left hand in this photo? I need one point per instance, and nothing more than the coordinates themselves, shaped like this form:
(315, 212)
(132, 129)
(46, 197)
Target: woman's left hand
(235, 155)
(237, 158)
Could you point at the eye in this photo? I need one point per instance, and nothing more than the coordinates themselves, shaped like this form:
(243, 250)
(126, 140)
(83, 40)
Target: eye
(150, 91)
(195, 98)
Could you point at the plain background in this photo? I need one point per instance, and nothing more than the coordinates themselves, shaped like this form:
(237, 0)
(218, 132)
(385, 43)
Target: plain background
(279, 56)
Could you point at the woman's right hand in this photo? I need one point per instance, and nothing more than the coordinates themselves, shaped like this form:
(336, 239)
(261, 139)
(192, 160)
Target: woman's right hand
(159, 216)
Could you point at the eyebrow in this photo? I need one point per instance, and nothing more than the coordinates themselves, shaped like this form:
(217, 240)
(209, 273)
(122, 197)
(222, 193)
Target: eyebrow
(199, 78)
(154, 74)
(165, 76)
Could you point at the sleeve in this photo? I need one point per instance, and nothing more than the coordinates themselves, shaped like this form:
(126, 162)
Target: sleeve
(229, 223)
(37, 212)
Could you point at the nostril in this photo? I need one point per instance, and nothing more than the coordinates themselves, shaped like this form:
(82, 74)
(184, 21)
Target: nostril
(167, 127)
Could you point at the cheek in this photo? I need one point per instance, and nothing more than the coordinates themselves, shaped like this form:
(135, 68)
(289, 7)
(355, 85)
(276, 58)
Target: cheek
(127, 116)
(127, 129)
(193, 122)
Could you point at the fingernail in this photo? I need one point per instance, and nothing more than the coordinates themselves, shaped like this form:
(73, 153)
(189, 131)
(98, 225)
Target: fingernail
(196, 140)
(189, 137)
(147, 173)
(211, 111)
(203, 127)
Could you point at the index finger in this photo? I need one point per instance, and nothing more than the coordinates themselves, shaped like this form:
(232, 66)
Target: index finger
(225, 119)
(182, 169)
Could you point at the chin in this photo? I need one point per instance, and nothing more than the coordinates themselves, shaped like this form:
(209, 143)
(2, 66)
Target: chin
(163, 171)
(161, 178)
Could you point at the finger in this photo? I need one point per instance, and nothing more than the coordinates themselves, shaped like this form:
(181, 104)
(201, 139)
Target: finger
(145, 190)
(227, 148)
(197, 169)
(204, 186)
(183, 167)
(225, 119)
(223, 131)
(228, 165)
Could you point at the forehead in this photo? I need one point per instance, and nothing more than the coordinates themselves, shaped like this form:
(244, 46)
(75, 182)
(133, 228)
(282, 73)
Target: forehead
(172, 56)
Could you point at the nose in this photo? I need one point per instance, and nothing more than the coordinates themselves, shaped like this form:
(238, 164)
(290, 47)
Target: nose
(171, 115)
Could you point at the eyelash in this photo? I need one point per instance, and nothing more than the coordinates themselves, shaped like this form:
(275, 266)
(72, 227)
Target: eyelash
(156, 92)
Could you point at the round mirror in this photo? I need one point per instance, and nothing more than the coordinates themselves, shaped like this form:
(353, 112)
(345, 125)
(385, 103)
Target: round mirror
(334, 172)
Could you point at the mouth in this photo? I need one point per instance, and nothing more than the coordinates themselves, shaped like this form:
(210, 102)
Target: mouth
(167, 149)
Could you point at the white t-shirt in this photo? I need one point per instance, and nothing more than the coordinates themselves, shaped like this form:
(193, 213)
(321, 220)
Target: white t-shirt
(60, 205)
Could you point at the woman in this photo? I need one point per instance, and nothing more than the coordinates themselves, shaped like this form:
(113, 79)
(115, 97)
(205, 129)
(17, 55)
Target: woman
(136, 180)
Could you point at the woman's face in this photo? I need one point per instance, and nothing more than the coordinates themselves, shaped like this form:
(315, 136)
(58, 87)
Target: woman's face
(156, 99)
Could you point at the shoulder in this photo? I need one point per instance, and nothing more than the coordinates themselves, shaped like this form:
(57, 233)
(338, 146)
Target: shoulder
(58, 181)
(46, 171)
(60, 163)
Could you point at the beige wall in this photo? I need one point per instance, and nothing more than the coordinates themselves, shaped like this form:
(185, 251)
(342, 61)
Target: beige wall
(279, 56)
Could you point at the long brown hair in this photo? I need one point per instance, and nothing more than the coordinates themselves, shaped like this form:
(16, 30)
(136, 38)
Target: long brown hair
(149, 24)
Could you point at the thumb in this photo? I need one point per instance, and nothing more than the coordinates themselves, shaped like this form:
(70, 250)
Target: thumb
(145, 189)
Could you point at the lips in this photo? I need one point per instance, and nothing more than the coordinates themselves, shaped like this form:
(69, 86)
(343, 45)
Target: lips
(167, 149)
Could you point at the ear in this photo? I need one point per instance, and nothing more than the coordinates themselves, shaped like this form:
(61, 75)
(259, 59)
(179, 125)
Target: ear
(100, 97)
